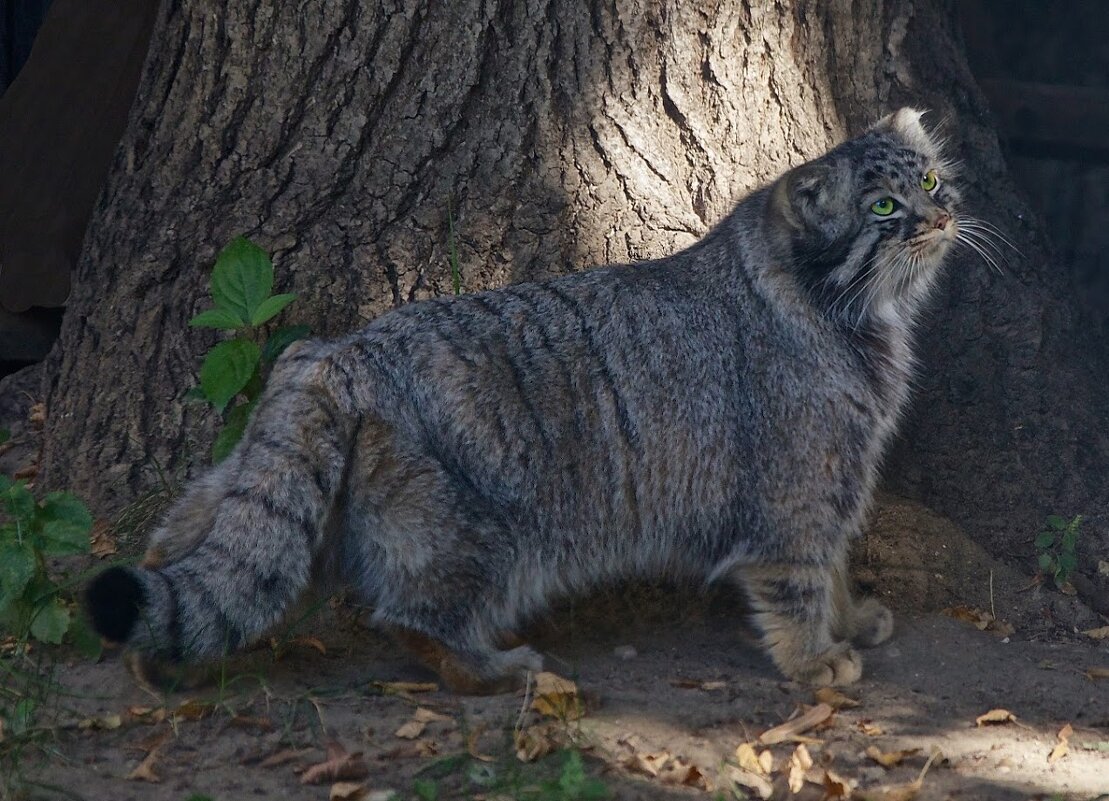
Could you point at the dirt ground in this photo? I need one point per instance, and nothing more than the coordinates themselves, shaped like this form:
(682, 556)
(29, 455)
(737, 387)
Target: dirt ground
(659, 673)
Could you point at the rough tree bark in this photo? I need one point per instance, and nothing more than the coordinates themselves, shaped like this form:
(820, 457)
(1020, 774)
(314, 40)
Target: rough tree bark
(561, 135)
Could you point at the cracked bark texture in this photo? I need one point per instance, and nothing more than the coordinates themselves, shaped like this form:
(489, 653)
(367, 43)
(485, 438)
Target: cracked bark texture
(561, 135)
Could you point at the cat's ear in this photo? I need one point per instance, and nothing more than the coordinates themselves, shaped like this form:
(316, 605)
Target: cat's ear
(806, 196)
(905, 124)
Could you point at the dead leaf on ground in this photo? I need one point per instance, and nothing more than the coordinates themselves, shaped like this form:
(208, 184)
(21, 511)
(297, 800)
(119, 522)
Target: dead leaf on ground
(791, 730)
(647, 764)
(800, 762)
(761, 764)
(284, 757)
(683, 774)
(472, 740)
(1098, 634)
(1095, 673)
(835, 786)
(834, 698)
(980, 619)
(193, 710)
(557, 697)
(1061, 747)
(414, 727)
(347, 791)
(870, 728)
(536, 742)
(698, 684)
(1103, 567)
(104, 723)
(102, 540)
(146, 714)
(406, 687)
(889, 759)
(995, 717)
(751, 782)
(37, 415)
(310, 642)
(144, 771)
(901, 792)
(340, 765)
(416, 749)
(248, 722)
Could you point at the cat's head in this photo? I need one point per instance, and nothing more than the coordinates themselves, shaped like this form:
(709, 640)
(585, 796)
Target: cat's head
(865, 227)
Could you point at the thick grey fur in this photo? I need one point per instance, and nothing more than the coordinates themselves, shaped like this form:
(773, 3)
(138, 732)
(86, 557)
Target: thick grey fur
(720, 413)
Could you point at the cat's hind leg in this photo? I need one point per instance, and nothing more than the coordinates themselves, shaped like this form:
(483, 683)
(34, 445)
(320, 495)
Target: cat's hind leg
(485, 672)
(793, 608)
(865, 622)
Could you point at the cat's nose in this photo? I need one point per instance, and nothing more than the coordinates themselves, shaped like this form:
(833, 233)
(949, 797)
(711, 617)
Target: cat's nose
(941, 220)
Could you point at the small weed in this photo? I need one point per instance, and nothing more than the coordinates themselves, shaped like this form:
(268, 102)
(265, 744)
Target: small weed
(452, 252)
(1055, 544)
(231, 376)
(511, 779)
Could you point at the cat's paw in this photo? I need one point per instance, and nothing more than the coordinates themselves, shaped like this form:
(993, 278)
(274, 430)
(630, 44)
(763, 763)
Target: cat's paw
(839, 665)
(873, 623)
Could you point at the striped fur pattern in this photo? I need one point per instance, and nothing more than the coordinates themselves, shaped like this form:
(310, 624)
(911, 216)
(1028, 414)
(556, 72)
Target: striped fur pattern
(459, 462)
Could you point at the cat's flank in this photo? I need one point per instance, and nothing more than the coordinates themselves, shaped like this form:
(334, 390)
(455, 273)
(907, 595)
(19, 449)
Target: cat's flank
(460, 462)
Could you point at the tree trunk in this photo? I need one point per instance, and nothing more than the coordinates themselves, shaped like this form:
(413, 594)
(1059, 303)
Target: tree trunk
(559, 135)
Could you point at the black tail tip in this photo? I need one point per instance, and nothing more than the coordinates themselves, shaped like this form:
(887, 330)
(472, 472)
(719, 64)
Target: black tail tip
(114, 600)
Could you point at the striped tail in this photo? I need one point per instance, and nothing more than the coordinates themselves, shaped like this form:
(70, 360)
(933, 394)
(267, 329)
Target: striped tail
(237, 549)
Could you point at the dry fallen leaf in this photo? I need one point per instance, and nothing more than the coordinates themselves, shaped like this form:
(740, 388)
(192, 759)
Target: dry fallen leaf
(192, 710)
(146, 714)
(800, 762)
(347, 791)
(697, 684)
(647, 764)
(870, 728)
(752, 782)
(980, 619)
(834, 698)
(1095, 673)
(310, 642)
(405, 687)
(284, 757)
(889, 759)
(835, 786)
(1061, 747)
(472, 744)
(102, 541)
(557, 697)
(535, 742)
(144, 771)
(1098, 634)
(900, 792)
(105, 723)
(420, 718)
(790, 731)
(682, 774)
(761, 764)
(339, 766)
(995, 716)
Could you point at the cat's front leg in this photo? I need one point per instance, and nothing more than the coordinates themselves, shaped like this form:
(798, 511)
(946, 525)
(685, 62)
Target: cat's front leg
(794, 607)
(865, 622)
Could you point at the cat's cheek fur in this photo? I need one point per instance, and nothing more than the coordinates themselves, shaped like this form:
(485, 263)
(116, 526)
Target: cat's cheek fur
(460, 462)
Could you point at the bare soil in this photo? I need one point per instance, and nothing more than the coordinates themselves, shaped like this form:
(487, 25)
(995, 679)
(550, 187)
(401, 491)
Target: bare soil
(660, 671)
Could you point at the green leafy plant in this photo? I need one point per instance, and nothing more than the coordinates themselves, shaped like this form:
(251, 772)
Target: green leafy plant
(31, 604)
(232, 374)
(572, 783)
(1055, 544)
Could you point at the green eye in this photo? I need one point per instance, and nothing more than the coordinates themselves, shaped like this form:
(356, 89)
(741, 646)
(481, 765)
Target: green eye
(929, 181)
(883, 207)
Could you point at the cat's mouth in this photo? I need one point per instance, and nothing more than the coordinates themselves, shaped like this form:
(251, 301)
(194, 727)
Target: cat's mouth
(933, 242)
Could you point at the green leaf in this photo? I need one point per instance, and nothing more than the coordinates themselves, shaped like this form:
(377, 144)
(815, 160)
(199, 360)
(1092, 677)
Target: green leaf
(242, 278)
(425, 789)
(217, 318)
(85, 640)
(22, 717)
(572, 778)
(270, 307)
(1056, 522)
(194, 395)
(1046, 561)
(232, 431)
(226, 369)
(17, 567)
(282, 338)
(20, 502)
(66, 524)
(51, 622)
(1045, 539)
(1068, 562)
(1067, 541)
(5, 435)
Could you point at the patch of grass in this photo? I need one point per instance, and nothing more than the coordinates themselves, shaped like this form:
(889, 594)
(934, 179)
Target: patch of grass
(1056, 548)
(560, 776)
